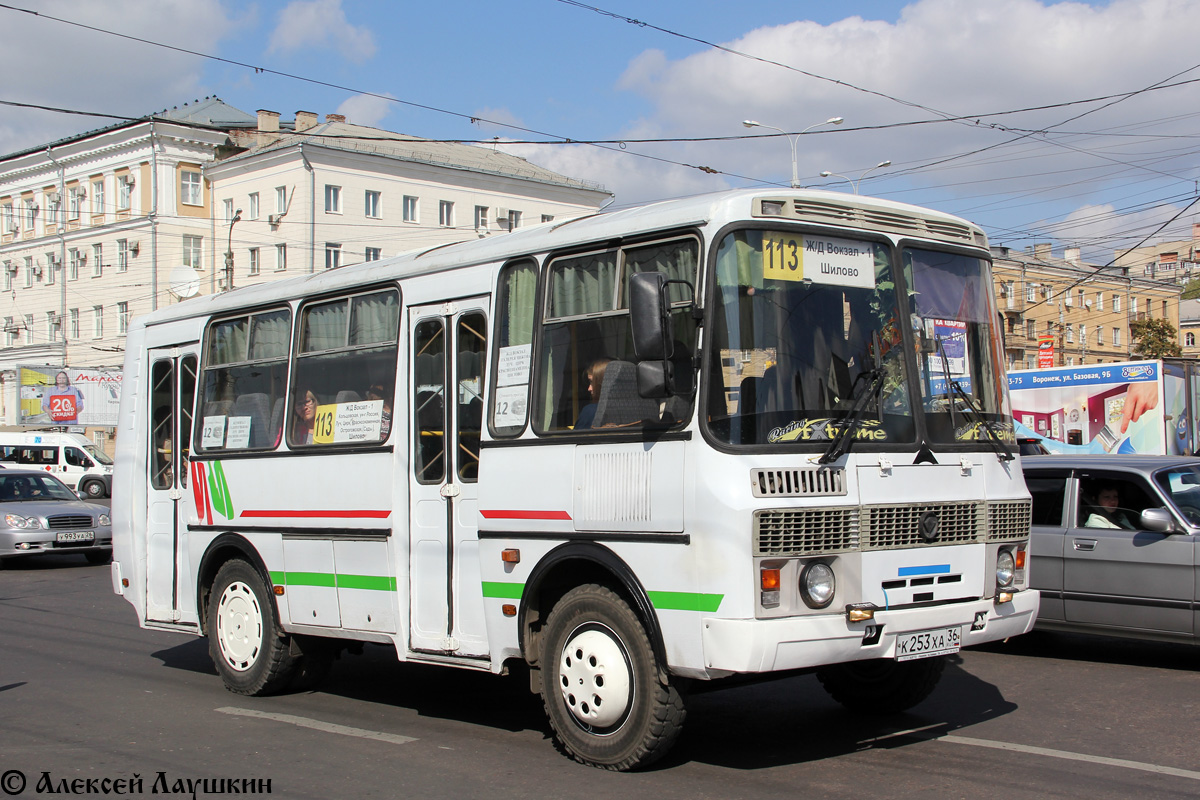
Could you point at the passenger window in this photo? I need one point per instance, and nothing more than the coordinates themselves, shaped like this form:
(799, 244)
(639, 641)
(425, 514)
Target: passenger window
(471, 338)
(162, 379)
(429, 409)
(38, 456)
(587, 378)
(1048, 493)
(245, 372)
(345, 370)
(76, 458)
(1112, 502)
(516, 307)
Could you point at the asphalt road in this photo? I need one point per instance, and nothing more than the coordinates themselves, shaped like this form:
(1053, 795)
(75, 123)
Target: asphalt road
(87, 695)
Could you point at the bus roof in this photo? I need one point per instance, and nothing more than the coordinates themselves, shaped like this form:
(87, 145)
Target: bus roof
(802, 205)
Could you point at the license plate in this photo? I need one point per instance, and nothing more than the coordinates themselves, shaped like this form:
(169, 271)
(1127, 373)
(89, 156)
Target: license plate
(75, 536)
(924, 644)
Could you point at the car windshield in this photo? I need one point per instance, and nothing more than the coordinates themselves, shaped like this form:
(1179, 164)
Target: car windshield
(98, 454)
(20, 488)
(1182, 487)
(804, 325)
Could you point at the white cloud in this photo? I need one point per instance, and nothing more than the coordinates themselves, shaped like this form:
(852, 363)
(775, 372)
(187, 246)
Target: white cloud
(59, 65)
(306, 24)
(366, 109)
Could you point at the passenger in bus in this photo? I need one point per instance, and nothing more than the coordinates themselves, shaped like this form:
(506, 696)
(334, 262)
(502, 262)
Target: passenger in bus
(305, 417)
(595, 379)
(378, 392)
(163, 476)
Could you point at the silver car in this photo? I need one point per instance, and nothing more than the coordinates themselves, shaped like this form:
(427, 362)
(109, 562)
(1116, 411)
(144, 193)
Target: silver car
(41, 515)
(1114, 544)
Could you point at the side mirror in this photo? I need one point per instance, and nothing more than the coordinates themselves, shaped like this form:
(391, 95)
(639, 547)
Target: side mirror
(1157, 520)
(649, 314)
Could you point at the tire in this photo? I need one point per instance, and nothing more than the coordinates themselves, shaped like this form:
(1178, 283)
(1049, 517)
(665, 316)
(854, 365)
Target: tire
(602, 690)
(98, 556)
(882, 686)
(94, 489)
(249, 649)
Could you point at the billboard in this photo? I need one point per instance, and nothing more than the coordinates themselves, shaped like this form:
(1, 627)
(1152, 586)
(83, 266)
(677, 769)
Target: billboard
(50, 395)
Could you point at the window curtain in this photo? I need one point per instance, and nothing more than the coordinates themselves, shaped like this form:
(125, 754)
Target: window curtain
(584, 285)
(676, 260)
(229, 342)
(324, 327)
(271, 334)
(375, 318)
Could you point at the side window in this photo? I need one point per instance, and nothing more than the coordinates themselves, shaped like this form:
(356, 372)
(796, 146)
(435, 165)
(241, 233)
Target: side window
(429, 408)
(1112, 501)
(74, 457)
(1048, 493)
(587, 379)
(516, 305)
(244, 376)
(345, 370)
(471, 341)
(187, 403)
(38, 456)
(162, 380)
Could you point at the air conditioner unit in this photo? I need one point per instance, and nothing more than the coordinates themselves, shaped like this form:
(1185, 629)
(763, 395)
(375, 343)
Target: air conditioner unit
(1087, 303)
(134, 247)
(37, 271)
(273, 219)
(14, 228)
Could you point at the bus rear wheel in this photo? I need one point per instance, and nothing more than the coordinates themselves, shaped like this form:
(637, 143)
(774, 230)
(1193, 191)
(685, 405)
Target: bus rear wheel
(248, 648)
(602, 692)
(882, 686)
(94, 489)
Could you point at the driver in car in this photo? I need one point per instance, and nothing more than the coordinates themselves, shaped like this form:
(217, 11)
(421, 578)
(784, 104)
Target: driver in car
(1108, 513)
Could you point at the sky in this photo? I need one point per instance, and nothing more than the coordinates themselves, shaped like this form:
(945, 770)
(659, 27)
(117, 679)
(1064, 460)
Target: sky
(1074, 123)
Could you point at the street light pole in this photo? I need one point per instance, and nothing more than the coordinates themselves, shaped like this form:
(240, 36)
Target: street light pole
(792, 138)
(237, 216)
(854, 183)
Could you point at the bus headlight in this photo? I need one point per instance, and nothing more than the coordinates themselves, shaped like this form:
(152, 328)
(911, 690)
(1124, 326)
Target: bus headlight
(1006, 569)
(817, 584)
(17, 521)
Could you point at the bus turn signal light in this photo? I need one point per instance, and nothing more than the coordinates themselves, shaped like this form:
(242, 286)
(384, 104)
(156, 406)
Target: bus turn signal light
(770, 580)
(1020, 558)
(510, 556)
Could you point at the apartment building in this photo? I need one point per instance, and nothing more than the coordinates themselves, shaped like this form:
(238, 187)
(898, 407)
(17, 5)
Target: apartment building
(1174, 262)
(1085, 309)
(309, 196)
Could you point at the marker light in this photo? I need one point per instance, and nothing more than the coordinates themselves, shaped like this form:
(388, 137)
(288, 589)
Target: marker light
(768, 580)
(510, 556)
(509, 610)
(860, 612)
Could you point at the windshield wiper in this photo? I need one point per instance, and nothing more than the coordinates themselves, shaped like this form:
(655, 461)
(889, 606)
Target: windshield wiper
(954, 388)
(845, 435)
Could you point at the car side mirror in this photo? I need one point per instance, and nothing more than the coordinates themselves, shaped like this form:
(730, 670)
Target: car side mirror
(1158, 520)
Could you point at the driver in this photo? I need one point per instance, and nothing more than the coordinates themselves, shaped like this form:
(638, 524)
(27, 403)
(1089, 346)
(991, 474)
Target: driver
(1107, 512)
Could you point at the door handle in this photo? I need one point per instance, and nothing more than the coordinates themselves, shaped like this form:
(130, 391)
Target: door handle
(1084, 545)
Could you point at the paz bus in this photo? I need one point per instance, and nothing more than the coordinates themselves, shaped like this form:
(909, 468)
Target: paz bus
(735, 434)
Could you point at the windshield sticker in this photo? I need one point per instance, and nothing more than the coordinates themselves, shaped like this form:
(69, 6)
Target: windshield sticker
(975, 432)
(825, 430)
(512, 365)
(359, 421)
(818, 259)
(237, 432)
(212, 434)
(510, 406)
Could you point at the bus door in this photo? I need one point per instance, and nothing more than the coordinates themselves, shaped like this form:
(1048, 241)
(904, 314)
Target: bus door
(447, 359)
(172, 394)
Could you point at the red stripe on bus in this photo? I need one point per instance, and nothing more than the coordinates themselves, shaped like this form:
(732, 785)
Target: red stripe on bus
(504, 514)
(333, 514)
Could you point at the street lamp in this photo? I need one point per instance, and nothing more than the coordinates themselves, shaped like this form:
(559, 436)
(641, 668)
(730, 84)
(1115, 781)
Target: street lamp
(854, 183)
(237, 216)
(792, 137)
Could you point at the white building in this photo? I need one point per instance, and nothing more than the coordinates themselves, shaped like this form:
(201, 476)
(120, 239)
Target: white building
(317, 196)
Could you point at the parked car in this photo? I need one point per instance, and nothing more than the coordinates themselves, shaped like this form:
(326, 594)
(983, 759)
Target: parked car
(1115, 544)
(40, 514)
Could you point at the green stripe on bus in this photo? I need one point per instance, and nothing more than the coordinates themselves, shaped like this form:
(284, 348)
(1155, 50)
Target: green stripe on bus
(503, 590)
(310, 579)
(380, 583)
(685, 601)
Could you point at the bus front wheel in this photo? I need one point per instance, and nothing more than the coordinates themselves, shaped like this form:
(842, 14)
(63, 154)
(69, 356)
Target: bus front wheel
(602, 691)
(249, 649)
(882, 686)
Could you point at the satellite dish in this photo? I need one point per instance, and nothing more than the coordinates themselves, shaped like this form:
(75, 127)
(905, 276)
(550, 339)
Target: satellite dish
(184, 282)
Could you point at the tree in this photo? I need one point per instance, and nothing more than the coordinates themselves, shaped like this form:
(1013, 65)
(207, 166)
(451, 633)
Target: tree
(1155, 338)
(1191, 291)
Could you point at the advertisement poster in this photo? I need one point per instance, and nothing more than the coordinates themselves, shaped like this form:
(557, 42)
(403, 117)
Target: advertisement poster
(65, 396)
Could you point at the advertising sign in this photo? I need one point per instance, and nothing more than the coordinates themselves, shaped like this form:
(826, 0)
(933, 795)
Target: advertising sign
(51, 395)
(1045, 351)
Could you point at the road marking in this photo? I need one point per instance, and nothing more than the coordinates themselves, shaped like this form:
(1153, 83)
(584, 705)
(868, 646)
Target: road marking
(317, 725)
(927, 734)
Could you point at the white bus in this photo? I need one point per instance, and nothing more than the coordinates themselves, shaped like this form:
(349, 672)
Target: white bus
(744, 433)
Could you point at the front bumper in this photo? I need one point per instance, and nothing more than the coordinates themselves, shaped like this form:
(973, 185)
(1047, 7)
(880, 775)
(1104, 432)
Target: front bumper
(39, 541)
(771, 645)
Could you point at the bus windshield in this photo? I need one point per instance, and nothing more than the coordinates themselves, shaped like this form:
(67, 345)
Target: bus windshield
(960, 375)
(803, 325)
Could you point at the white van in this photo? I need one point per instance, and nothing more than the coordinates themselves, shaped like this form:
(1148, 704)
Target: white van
(73, 459)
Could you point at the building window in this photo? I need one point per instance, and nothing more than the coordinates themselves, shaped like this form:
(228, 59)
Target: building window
(74, 203)
(192, 250)
(514, 220)
(1164, 309)
(481, 218)
(122, 255)
(28, 271)
(189, 188)
(254, 265)
(51, 266)
(1099, 301)
(280, 199)
(1067, 299)
(1116, 302)
(333, 199)
(228, 205)
(371, 204)
(1082, 299)
(446, 214)
(97, 322)
(1117, 336)
(73, 323)
(8, 275)
(73, 259)
(1189, 339)
(28, 326)
(52, 326)
(410, 208)
(1099, 335)
(30, 215)
(253, 206)
(122, 318)
(97, 260)
(10, 332)
(373, 254)
(124, 193)
(280, 257)
(1071, 334)
(1083, 334)
(1031, 329)
(333, 255)
(98, 197)
(1133, 305)
(1071, 361)
(9, 223)
(547, 218)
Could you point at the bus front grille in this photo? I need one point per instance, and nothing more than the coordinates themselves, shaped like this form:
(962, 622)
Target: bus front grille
(802, 531)
(798, 482)
(893, 527)
(1008, 520)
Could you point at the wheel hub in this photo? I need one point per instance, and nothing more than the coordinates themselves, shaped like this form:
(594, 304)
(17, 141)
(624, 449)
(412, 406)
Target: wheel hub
(239, 626)
(595, 678)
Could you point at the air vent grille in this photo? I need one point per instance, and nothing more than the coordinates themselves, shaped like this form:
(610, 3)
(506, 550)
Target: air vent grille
(800, 482)
(892, 527)
(802, 531)
(1008, 520)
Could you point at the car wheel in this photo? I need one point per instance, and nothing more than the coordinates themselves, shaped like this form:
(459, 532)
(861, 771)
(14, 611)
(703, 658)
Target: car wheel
(98, 556)
(94, 489)
(882, 686)
(603, 688)
(249, 649)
